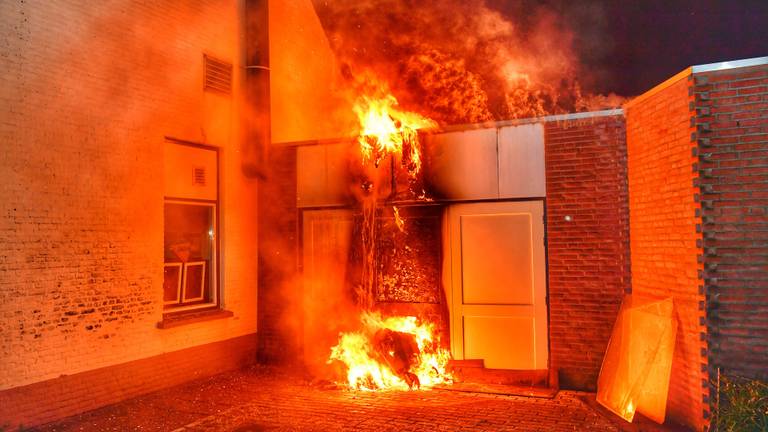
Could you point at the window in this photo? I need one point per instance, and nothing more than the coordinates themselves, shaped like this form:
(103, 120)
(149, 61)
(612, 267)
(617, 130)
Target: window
(190, 254)
(190, 240)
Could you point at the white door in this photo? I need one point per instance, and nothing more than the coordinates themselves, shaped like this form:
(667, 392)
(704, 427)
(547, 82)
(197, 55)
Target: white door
(497, 284)
(326, 240)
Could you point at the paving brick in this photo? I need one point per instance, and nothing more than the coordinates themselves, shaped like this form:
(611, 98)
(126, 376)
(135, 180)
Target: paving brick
(268, 399)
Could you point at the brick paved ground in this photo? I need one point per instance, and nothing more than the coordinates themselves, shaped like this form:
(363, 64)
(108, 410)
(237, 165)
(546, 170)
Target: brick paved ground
(262, 399)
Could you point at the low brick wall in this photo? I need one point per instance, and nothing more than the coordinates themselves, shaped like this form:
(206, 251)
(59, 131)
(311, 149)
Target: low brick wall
(68, 395)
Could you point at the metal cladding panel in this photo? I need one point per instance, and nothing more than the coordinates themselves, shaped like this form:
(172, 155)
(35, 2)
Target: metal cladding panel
(311, 176)
(339, 182)
(521, 161)
(322, 175)
(463, 165)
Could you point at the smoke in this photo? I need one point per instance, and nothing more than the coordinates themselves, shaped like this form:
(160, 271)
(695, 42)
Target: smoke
(461, 61)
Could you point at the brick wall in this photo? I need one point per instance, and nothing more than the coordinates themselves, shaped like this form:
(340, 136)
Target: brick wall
(87, 96)
(664, 233)
(588, 256)
(732, 131)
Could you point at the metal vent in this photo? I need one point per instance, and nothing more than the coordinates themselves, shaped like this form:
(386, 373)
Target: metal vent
(218, 75)
(198, 176)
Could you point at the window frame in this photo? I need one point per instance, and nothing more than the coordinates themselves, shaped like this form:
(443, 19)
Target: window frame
(215, 302)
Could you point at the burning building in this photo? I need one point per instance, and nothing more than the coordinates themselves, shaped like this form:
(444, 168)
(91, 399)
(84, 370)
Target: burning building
(261, 187)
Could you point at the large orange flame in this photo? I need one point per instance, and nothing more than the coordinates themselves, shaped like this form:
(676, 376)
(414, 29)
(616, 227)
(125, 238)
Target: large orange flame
(385, 130)
(369, 362)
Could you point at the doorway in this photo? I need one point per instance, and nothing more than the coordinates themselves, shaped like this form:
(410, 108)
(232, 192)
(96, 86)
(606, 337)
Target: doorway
(496, 284)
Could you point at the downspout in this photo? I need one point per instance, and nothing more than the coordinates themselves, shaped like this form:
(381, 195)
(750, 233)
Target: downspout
(257, 136)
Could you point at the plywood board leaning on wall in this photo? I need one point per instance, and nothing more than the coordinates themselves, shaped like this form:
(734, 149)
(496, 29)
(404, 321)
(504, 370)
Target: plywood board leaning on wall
(638, 362)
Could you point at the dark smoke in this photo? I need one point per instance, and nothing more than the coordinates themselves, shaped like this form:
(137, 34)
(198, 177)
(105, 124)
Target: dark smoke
(462, 61)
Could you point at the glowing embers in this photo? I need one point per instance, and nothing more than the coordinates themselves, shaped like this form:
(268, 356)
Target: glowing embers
(392, 353)
(386, 130)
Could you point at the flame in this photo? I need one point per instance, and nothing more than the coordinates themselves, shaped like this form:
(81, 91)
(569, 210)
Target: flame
(386, 130)
(368, 368)
(399, 221)
(629, 410)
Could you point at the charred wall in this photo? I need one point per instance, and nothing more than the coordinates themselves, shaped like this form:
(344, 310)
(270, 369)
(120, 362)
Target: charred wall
(278, 220)
(587, 242)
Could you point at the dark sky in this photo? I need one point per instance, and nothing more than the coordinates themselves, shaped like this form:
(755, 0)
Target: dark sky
(628, 46)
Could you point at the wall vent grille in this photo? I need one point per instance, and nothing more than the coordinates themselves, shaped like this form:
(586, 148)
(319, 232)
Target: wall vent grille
(198, 176)
(218, 75)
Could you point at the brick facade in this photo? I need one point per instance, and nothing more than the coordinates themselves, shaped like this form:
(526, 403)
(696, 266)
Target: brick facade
(665, 233)
(88, 96)
(732, 131)
(588, 255)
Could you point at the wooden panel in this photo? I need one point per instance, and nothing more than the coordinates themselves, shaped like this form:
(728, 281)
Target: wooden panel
(497, 259)
(521, 161)
(503, 342)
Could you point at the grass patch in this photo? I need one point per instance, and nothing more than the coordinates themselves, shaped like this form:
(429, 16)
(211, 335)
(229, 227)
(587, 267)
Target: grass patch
(742, 405)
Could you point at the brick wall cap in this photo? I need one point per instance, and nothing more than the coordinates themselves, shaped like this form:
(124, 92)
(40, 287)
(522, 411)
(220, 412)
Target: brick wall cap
(685, 73)
(732, 64)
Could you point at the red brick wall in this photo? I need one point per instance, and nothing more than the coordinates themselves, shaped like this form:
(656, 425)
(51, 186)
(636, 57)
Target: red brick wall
(50, 400)
(664, 233)
(588, 256)
(732, 128)
(87, 97)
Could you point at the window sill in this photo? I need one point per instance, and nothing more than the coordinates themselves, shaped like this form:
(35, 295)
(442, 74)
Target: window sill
(177, 319)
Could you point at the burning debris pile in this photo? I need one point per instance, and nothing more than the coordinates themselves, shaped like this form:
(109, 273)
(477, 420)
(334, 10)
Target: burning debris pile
(392, 353)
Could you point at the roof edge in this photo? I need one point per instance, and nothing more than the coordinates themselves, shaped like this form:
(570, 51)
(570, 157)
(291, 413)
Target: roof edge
(472, 126)
(733, 64)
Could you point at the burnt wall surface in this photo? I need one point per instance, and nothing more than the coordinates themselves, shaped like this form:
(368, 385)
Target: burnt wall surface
(732, 138)
(88, 96)
(587, 237)
(278, 258)
(409, 265)
(664, 233)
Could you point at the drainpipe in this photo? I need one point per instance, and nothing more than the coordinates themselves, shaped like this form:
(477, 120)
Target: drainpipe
(257, 137)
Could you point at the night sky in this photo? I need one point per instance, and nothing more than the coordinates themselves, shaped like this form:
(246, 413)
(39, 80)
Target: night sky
(628, 46)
